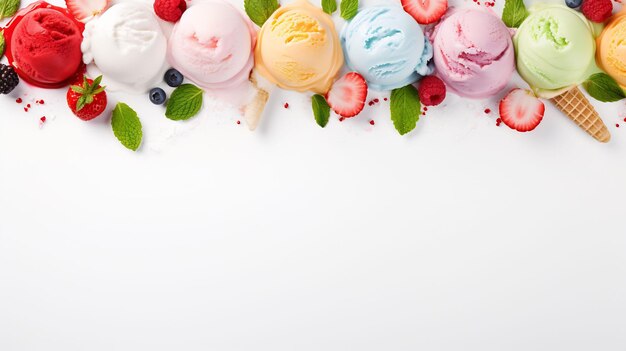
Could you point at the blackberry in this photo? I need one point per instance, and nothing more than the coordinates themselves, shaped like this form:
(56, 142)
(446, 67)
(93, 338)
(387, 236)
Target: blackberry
(8, 79)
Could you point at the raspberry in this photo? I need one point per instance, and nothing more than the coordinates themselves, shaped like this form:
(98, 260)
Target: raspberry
(170, 10)
(432, 91)
(597, 10)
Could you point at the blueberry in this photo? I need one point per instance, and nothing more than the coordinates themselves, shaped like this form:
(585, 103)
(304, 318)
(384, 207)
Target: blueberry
(157, 96)
(573, 3)
(173, 78)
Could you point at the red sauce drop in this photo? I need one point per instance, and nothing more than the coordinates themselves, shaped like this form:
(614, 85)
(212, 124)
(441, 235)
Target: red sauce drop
(341, 119)
(487, 111)
(286, 105)
(25, 109)
(43, 119)
(385, 99)
(617, 125)
(372, 122)
(28, 105)
(425, 108)
(19, 100)
(498, 121)
(238, 122)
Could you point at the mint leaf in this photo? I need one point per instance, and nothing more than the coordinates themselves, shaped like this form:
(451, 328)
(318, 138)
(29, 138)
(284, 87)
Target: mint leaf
(514, 13)
(1, 43)
(349, 8)
(329, 6)
(260, 10)
(126, 126)
(8, 8)
(405, 108)
(184, 103)
(603, 88)
(321, 110)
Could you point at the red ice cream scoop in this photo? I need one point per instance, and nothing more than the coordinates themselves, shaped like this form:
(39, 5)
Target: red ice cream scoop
(44, 45)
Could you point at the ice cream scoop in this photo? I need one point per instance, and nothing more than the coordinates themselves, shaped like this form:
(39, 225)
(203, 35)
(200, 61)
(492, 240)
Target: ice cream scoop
(213, 45)
(555, 49)
(298, 48)
(44, 45)
(473, 53)
(127, 46)
(386, 46)
(611, 52)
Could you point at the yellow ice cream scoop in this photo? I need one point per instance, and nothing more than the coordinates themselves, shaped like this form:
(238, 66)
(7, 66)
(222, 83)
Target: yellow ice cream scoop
(611, 51)
(298, 48)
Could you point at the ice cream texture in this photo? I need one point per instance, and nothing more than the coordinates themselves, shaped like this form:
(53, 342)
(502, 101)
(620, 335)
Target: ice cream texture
(473, 53)
(555, 49)
(45, 46)
(298, 48)
(128, 47)
(611, 52)
(213, 45)
(387, 47)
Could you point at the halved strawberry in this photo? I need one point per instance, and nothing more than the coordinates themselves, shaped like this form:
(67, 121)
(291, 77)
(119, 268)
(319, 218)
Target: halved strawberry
(85, 10)
(425, 11)
(521, 110)
(348, 94)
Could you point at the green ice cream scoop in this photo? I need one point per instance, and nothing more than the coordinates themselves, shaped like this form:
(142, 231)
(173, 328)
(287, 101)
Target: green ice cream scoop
(555, 49)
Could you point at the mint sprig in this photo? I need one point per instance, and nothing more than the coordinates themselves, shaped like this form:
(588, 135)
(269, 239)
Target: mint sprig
(260, 10)
(603, 88)
(8, 8)
(329, 6)
(185, 102)
(1, 43)
(321, 110)
(514, 13)
(349, 8)
(126, 126)
(405, 108)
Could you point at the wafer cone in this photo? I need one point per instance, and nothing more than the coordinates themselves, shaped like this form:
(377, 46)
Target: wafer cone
(576, 106)
(254, 109)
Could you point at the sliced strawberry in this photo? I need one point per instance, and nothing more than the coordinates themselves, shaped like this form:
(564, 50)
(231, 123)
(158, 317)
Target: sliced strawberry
(85, 10)
(521, 110)
(425, 11)
(348, 94)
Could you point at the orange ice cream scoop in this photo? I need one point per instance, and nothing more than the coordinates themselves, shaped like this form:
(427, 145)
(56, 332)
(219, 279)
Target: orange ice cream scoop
(298, 49)
(611, 51)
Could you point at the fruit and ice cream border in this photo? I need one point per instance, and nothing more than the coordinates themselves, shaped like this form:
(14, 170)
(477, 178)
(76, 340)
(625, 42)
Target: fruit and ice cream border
(521, 109)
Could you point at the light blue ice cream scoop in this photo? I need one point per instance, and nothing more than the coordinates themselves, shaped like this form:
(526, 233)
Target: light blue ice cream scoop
(387, 47)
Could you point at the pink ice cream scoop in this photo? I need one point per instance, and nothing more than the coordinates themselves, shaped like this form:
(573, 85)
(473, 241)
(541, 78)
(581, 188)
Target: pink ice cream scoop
(213, 45)
(473, 53)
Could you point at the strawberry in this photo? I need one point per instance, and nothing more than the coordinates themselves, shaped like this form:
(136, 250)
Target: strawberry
(85, 10)
(521, 110)
(425, 11)
(348, 94)
(87, 100)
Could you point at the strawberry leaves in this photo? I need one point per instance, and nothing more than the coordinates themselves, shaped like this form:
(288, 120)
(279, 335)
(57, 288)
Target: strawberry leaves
(87, 92)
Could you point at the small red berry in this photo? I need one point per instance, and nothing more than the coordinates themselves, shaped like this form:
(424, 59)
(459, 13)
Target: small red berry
(597, 10)
(170, 10)
(487, 111)
(286, 105)
(372, 122)
(19, 100)
(432, 91)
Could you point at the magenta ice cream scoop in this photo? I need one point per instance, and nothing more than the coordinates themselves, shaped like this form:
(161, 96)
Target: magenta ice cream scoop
(473, 53)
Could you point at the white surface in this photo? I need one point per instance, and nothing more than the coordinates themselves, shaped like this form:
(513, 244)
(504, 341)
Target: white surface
(461, 236)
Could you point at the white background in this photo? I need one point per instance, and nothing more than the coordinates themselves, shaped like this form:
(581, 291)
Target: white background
(459, 236)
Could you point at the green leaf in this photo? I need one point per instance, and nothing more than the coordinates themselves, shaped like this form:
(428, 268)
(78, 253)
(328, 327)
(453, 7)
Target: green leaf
(260, 10)
(349, 8)
(1, 43)
(8, 8)
(514, 13)
(321, 110)
(184, 103)
(329, 6)
(126, 126)
(603, 88)
(405, 108)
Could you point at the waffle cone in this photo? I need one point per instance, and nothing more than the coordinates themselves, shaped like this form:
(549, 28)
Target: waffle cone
(254, 109)
(576, 106)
